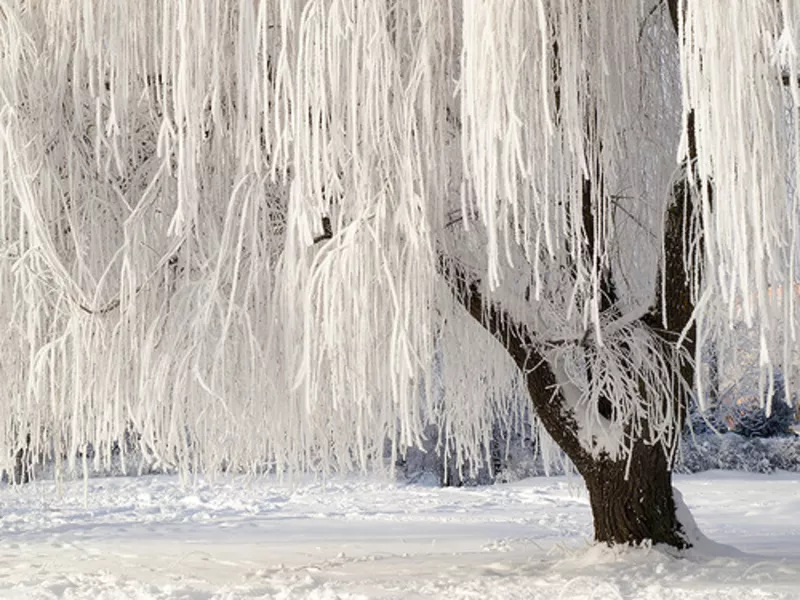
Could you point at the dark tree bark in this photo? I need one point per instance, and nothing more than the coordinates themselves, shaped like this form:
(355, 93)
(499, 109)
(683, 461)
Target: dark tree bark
(629, 507)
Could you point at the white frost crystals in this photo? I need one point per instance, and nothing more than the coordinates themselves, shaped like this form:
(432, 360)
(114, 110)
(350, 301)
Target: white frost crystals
(221, 223)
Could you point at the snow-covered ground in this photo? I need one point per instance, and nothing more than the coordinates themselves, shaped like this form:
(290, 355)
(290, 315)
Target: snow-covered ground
(149, 537)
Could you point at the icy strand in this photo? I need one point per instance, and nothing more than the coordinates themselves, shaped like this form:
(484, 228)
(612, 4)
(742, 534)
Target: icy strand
(737, 66)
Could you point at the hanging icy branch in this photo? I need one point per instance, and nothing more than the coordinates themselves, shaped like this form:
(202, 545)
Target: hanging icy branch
(128, 129)
(735, 95)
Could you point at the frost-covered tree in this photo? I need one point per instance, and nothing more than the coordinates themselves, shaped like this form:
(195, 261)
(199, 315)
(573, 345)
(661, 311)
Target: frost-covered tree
(244, 229)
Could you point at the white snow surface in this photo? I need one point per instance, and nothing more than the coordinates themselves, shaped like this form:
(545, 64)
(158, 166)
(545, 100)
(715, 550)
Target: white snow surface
(153, 538)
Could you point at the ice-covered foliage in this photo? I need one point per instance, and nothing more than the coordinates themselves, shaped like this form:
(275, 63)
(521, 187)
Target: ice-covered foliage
(226, 226)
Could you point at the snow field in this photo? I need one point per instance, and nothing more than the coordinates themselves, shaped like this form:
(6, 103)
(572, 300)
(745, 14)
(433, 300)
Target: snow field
(152, 538)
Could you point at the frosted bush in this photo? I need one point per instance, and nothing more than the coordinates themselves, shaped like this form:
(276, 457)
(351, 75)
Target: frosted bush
(731, 451)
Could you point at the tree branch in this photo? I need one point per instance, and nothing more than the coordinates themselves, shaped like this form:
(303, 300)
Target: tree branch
(546, 397)
(327, 231)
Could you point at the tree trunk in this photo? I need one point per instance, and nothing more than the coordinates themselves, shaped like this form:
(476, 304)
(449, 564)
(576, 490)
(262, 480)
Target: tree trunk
(636, 508)
(631, 499)
(22, 466)
(631, 503)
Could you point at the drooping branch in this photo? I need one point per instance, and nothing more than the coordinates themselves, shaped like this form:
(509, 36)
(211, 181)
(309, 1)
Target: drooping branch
(170, 259)
(672, 6)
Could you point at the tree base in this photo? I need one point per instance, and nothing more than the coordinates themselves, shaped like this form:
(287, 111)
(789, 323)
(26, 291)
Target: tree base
(636, 509)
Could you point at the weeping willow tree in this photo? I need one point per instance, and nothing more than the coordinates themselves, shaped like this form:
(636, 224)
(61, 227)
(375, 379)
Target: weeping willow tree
(256, 233)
